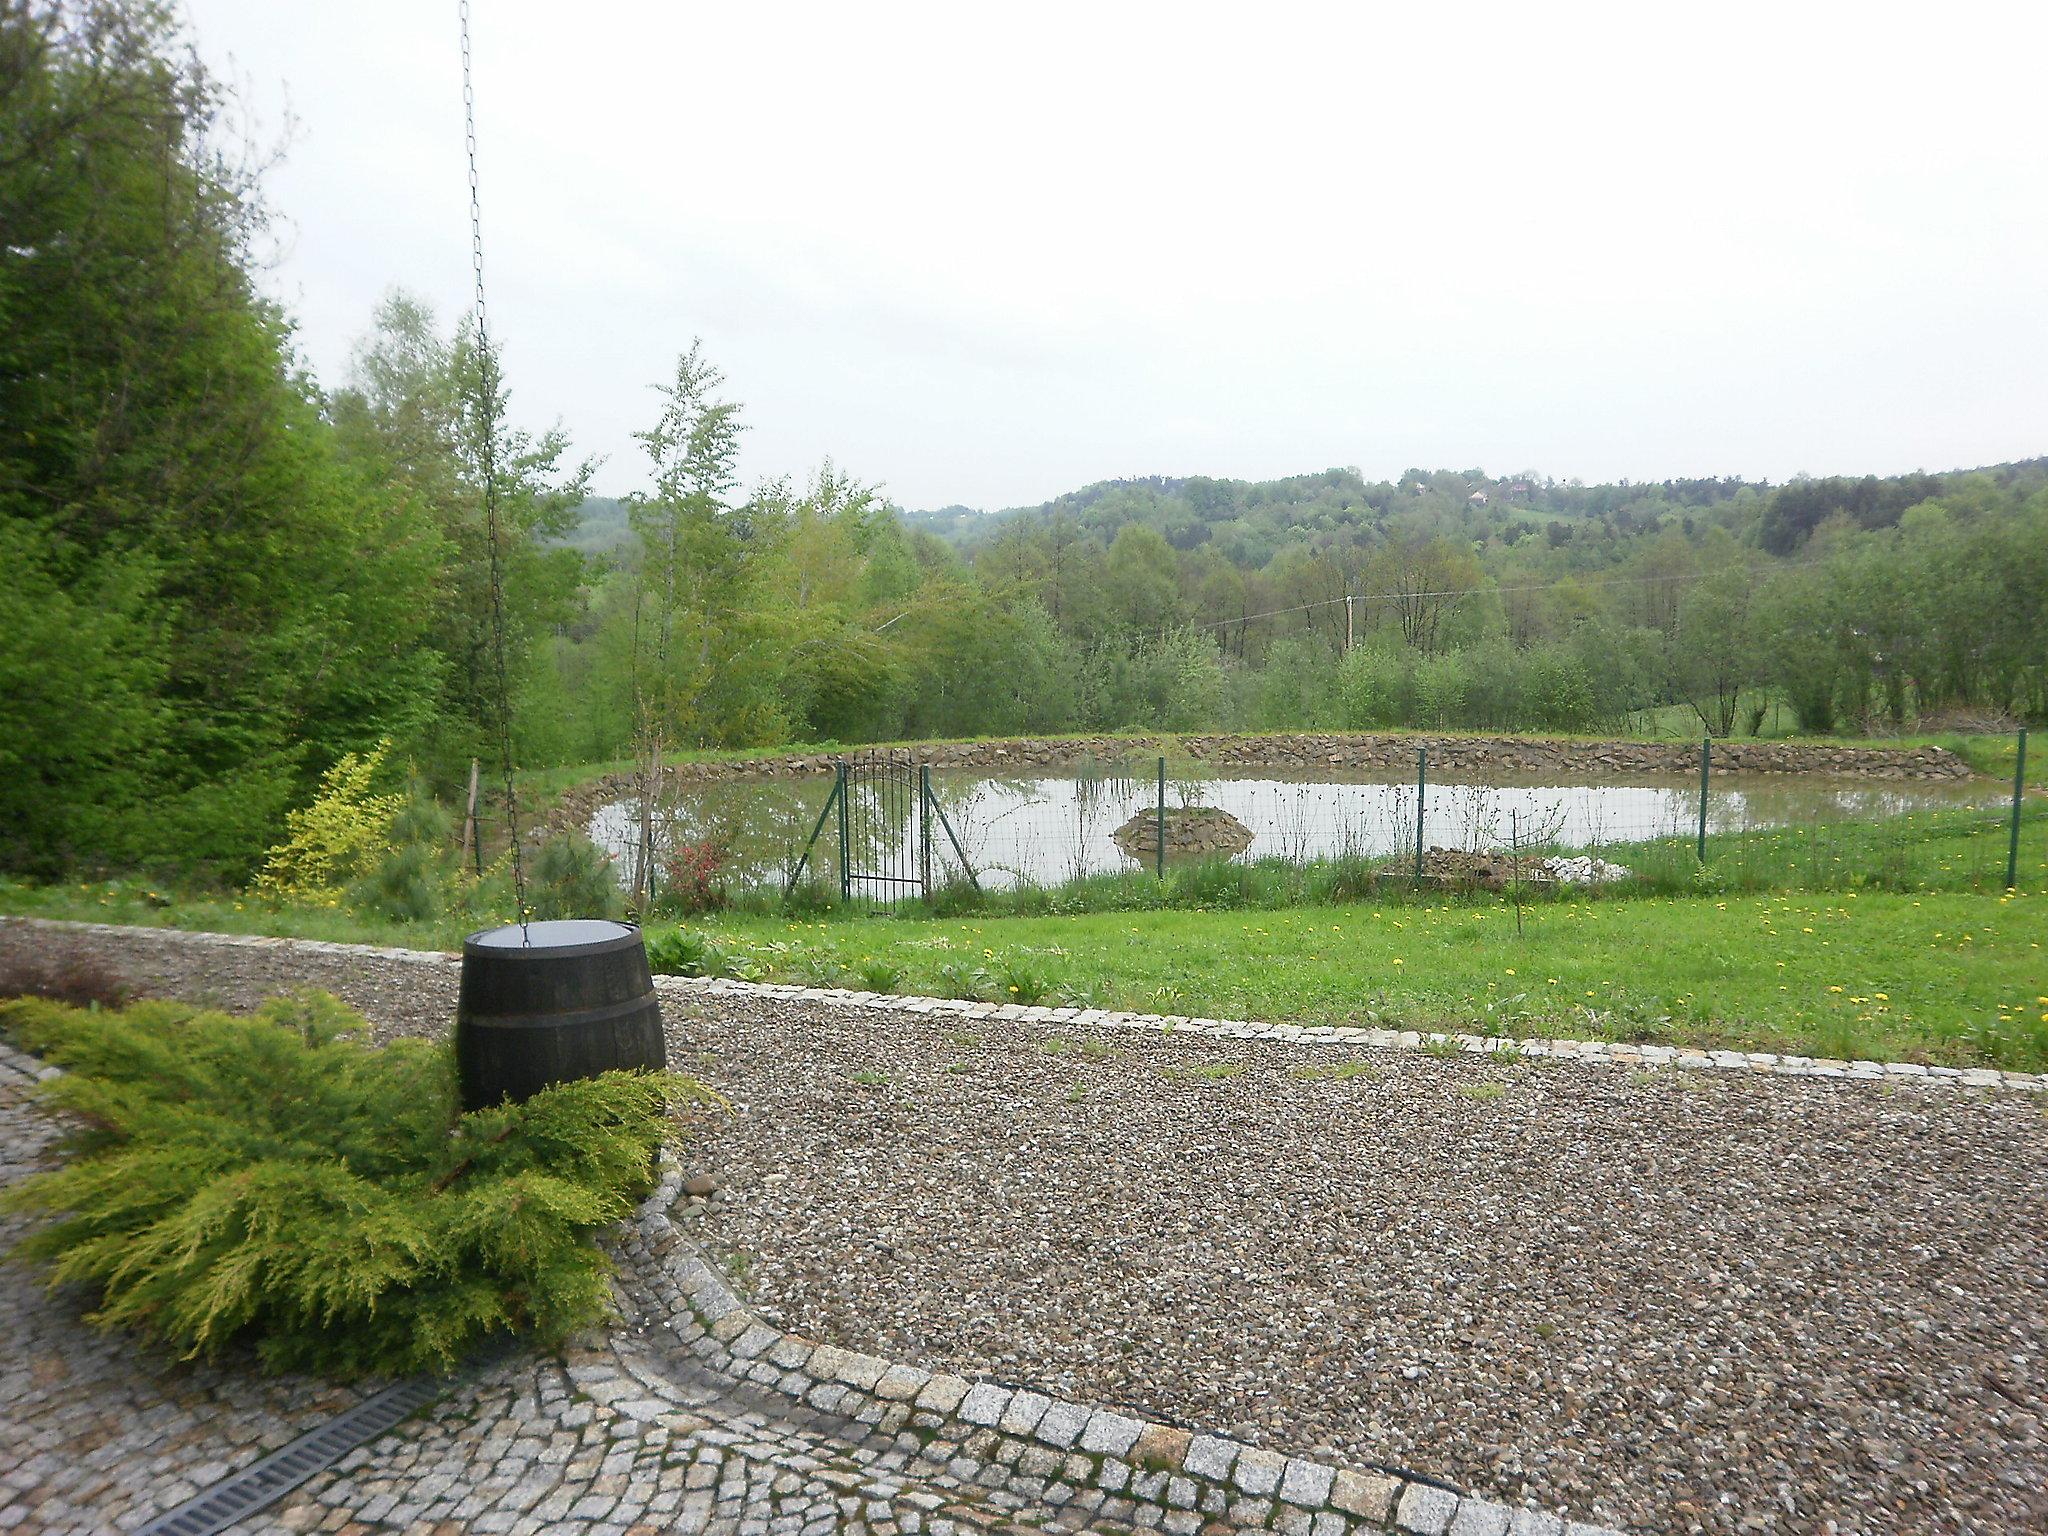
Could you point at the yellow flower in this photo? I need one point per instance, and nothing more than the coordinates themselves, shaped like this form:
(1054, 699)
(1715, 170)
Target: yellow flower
(1511, 970)
(1882, 997)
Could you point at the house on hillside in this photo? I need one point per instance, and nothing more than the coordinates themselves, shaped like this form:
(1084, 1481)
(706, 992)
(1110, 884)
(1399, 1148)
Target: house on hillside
(1476, 499)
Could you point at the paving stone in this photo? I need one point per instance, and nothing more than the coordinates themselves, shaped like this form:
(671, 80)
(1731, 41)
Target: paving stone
(1111, 1434)
(1425, 1510)
(1210, 1456)
(984, 1404)
(1061, 1424)
(1024, 1412)
(1258, 1470)
(1477, 1517)
(1368, 1495)
(1306, 1483)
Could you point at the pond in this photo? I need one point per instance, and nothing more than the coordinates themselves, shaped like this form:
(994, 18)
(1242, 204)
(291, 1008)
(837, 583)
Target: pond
(1050, 827)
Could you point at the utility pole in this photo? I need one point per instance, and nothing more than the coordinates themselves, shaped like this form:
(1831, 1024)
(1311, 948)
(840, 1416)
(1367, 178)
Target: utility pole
(1347, 623)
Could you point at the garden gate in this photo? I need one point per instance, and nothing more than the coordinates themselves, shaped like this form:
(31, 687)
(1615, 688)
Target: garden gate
(884, 809)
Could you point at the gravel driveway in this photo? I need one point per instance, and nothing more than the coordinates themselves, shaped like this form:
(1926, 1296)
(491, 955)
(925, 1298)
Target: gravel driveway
(1677, 1301)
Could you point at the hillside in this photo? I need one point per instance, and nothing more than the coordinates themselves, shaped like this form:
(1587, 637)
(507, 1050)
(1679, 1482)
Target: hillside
(1249, 522)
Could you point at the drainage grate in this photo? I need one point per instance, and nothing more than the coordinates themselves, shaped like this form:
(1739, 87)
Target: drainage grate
(236, 1498)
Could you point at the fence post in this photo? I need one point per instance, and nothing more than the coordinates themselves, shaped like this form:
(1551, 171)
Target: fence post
(924, 828)
(1161, 820)
(1706, 759)
(2019, 790)
(845, 842)
(1421, 785)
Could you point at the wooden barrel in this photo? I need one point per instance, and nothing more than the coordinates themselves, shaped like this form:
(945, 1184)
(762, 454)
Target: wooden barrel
(551, 1002)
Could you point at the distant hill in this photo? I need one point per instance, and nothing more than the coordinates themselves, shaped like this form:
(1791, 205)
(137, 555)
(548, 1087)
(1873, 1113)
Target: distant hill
(1250, 521)
(601, 527)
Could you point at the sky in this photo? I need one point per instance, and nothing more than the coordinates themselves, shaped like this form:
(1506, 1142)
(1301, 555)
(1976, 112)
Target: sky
(986, 254)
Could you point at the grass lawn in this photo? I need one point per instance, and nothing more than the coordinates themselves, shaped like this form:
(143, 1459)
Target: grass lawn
(1942, 978)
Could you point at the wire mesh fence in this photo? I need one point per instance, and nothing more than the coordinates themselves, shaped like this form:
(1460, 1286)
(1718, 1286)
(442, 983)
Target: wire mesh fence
(1102, 828)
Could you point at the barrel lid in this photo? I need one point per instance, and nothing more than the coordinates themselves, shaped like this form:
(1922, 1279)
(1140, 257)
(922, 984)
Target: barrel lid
(558, 936)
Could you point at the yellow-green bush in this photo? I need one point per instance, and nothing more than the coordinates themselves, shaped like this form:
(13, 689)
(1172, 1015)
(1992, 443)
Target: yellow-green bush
(335, 838)
(276, 1179)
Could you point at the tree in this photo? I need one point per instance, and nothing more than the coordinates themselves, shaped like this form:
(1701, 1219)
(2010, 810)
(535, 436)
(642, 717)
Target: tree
(707, 652)
(1424, 582)
(1712, 648)
(412, 423)
(166, 480)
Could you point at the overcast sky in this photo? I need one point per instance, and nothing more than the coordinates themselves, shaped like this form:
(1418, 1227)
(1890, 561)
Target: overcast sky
(986, 254)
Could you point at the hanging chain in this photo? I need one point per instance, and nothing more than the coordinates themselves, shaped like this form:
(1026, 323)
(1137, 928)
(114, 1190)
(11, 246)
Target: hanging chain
(487, 410)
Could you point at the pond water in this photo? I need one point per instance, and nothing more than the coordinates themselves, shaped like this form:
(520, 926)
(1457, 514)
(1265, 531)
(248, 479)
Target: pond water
(1050, 827)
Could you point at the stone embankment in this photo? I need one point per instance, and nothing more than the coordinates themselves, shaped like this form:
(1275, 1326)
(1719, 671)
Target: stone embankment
(1567, 759)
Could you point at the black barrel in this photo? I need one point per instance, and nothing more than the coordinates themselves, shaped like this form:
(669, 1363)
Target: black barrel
(550, 1002)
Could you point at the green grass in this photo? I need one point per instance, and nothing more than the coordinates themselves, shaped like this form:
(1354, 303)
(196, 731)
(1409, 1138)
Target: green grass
(1961, 849)
(1943, 977)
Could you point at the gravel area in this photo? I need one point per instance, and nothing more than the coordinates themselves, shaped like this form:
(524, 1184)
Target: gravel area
(1672, 1301)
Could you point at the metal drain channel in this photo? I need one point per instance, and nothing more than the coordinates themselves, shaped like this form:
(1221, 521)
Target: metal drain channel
(263, 1483)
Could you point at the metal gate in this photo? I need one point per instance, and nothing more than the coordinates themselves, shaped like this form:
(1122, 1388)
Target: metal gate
(883, 809)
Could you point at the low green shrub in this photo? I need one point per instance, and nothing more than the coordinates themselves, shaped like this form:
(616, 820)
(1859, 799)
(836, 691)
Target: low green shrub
(572, 877)
(275, 1179)
(406, 885)
(680, 952)
(879, 975)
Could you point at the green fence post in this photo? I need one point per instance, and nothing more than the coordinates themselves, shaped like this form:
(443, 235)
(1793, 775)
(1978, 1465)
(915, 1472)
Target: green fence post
(845, 842)
(1162, 819)
(1421, 784)
(2019, 790)
(1706, 758)
(924, 828)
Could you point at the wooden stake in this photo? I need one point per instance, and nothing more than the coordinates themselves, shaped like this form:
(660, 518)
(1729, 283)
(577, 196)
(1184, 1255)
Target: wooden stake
(471, 842)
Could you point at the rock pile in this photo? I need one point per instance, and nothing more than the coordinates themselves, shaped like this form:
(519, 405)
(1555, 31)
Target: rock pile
(1192, 831)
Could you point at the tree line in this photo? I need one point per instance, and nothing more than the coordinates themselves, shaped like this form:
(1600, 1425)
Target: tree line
(225, 576)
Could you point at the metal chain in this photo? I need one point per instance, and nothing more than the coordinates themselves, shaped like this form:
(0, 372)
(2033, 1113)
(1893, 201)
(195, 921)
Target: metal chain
(487, 404)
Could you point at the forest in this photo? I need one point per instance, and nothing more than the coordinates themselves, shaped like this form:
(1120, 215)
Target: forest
(225, 574)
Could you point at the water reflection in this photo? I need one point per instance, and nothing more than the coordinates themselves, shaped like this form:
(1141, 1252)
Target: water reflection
(1047, 828)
